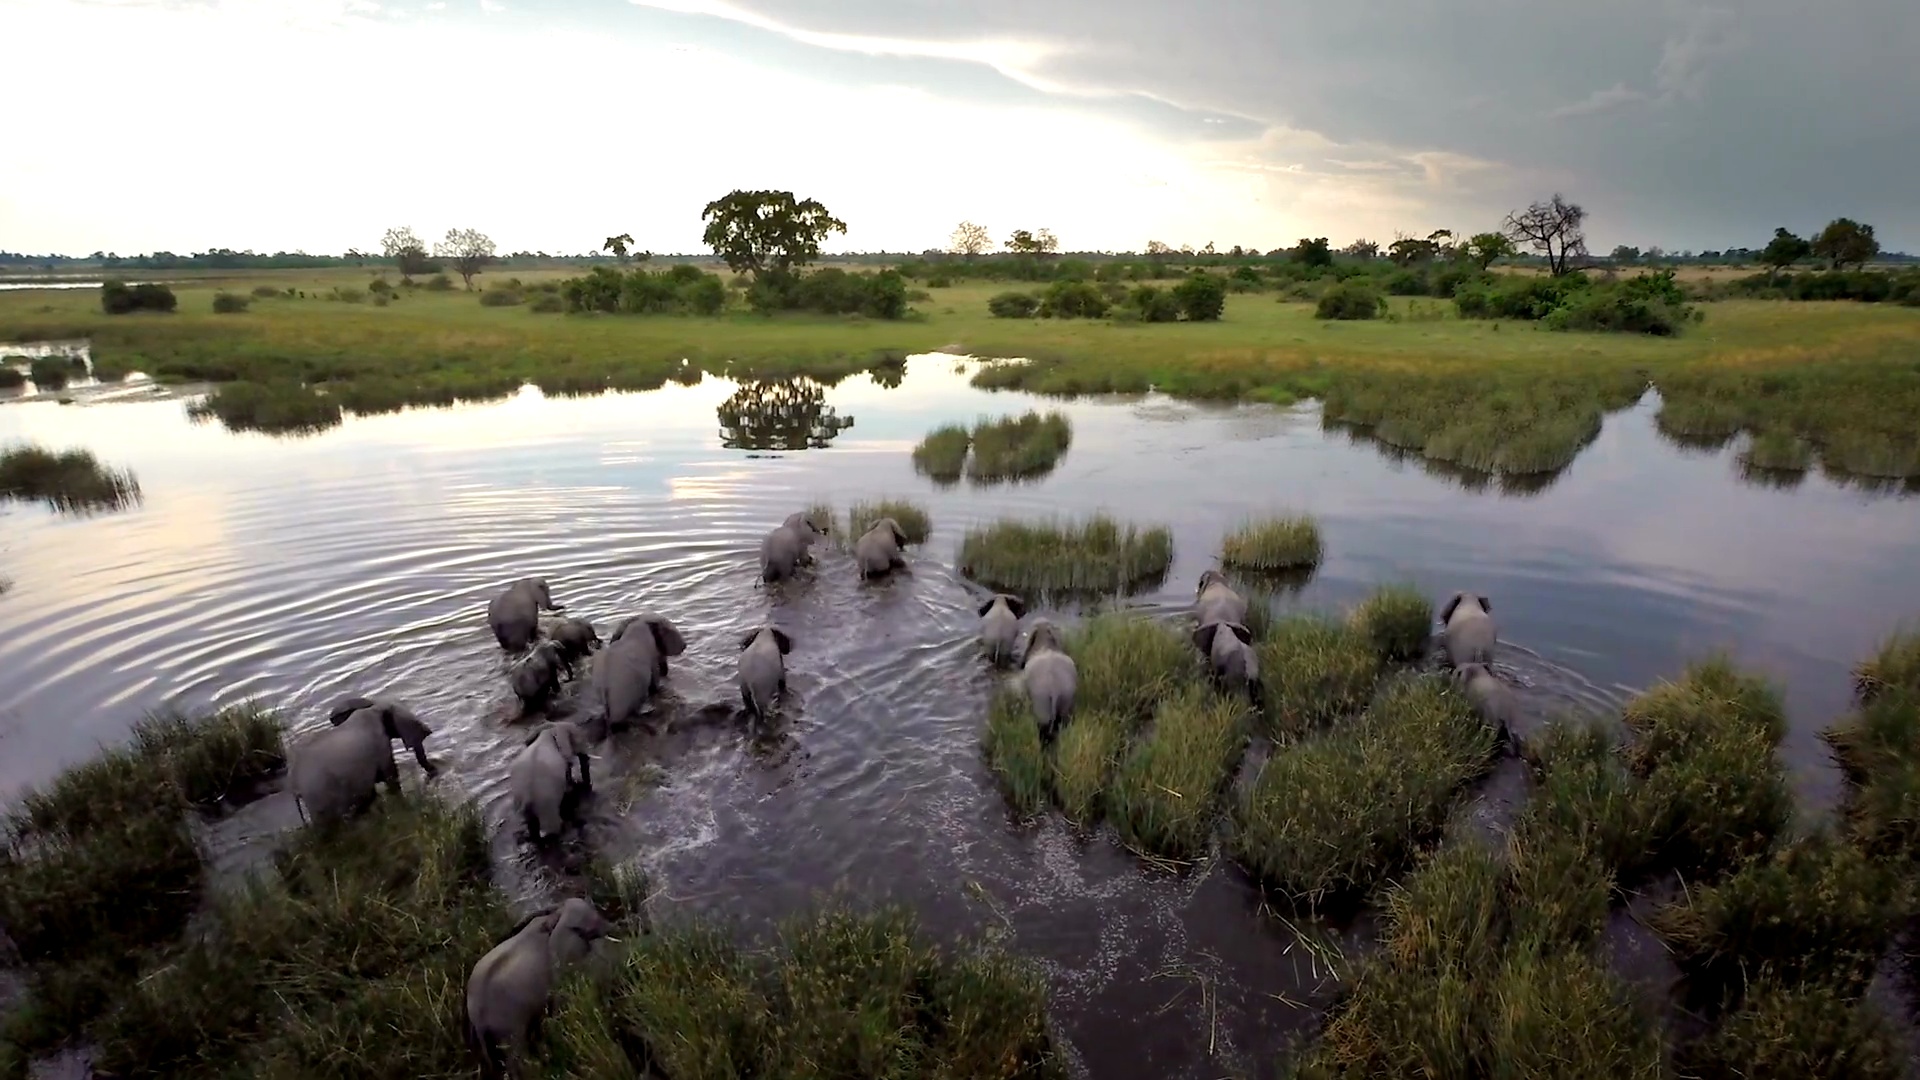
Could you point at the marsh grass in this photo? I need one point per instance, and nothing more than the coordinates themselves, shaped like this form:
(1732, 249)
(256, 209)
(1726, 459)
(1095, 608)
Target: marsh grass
(911, 516)
(1166, 793)
(1876, 737)
(1128, 664)
(1014, 751)
(1777, 451)
(942, 455)
(1895, 666)
(1583, 819)
(1275, 543)
(1314, 670)
(1330, 817)
(1084, 756)
(1018, 447)
(50, 372)
(1397, 619)
(1812, 1030)
(215, 759)
(1093, 556)
(68, 480)
(282, 408)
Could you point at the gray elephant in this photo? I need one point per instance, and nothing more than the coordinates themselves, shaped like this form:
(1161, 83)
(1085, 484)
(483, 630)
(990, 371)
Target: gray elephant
(575, 637)
(507, 994)
(763, 668)
(536, 678)
(631, 667)
(785, 549)
(543, 772)
(1492, 699)
(877, 552)
(514, 615)
(1216, 601)
(1000, 626)
(1050, 677)
(1230, 654)
(1468, 632)
(337, 772)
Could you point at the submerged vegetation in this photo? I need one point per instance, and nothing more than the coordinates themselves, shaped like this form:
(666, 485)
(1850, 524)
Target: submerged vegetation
(1276, 543)
(274, 408)
(1095, 556)
(68, 480)
(1011, 448)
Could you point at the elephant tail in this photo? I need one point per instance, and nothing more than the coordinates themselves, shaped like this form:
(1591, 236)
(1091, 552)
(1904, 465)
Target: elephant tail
(769, 573)
(301, 807)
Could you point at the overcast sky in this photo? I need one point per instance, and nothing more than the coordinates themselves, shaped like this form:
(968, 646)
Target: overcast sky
(139, 125)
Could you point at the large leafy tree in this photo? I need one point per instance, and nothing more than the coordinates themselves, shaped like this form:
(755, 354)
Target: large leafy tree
(1551, 228)
(1313, 251)
(1484, 248)
(618, 246)
(1784, 250)
(1032, 243)
(755, 232)
(409, 255)
(469, 250)
(1845, 241)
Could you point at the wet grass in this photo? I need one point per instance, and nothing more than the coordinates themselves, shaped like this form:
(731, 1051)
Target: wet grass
(1165, 795)
(1397, 619)
(1128, 664)
(72, 481)
(1276, 543)
(1878, 748)
(1777, 451)
(1330, 817)
(911, 517)
(1896, 666)
(1093, 556)
(1018, 447)
(1813, 1030)
(1015, 753)
(942, 455)
(1085, 754)
(282, 408)
(1315, 670)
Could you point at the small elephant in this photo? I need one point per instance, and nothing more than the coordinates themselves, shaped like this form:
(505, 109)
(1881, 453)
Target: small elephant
(514, 615)
(1216, 601)
(543, 773)
(631, 667)
(1492, 699)
(1468, 632)
(878, 550)
(784, 550)
(1230, 653)
(763, 669)
(1051, 678)
(536, 678)
(507, 994)
(337, 772)
(575, 637)
(1000, 626)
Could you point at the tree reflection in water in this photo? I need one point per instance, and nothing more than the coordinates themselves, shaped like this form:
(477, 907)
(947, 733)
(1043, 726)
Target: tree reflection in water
(779, 414)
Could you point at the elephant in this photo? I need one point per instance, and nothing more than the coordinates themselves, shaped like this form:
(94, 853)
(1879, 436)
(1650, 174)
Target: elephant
(537, 676)
(784, 549)
(878, 549)
(514, 615)
(1000, 626)
(632, 666)
(337, 772)
(1216, 601)
(1229, 650)
(1050, 677)
(507, 993)
(543, 773)
(1468, 632)
(575, 637)
(763, 671)
(1492, 699)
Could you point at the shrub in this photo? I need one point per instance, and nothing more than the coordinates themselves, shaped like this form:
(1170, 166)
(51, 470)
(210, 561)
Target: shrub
(1349, 300)
(1279, 543)
(548, 304)
(1201, 297)
(117, 298)
(1148, 303)
(1895, 667)
(1314, 671)
(439, 283)
(831, 291)
(1071, 300)
(346, 294)
(11, 378)
(226, 303)
(1096, 555)
(50, 373)
(500, 297)
(265, 292)
(1017, 448)
(1407, 283)
(942, 455)
(382, 287)
(1166, 791)
(1013, 305)
(1397, 619)
(67, 480)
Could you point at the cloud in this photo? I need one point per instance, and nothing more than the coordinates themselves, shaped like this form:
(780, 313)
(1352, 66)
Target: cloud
(1600, 101)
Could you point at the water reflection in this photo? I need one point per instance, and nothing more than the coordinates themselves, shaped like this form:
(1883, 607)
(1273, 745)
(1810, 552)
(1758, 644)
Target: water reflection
(780, 414)
(1516, 484)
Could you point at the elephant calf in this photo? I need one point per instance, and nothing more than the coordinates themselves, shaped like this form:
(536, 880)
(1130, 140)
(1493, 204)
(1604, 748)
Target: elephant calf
(1050, 677)
(1468, 634)
(1492, 699)
(537, 676)
(1000, 626)
(784, 550)
(337, 772)
(575, 638)
(543, 773)
(1229, 651)
(763, 669)
(1216, 601)
(877, 552)
(631, 667)
(508, 991)
(514, 615)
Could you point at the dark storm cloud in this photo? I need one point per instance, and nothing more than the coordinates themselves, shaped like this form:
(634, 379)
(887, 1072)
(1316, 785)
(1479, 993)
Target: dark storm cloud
(1686, 123)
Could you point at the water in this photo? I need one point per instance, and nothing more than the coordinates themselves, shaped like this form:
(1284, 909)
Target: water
(362, 559)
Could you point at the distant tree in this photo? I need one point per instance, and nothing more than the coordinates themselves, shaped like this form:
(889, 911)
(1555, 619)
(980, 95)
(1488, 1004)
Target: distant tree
(1484, 248)
(1316, 252)
(1551, 228)
(759, 231)
(1208, 250)
(1783, 251)
(1362, 249)
(1845, 241)
(356, 257)
(1236, 251)
(1626, 256)
(469, 250)
(1655, 255)
(1158, 251)
(618, 245)
(409, 255)
(1408, 250)
(1032, 244)
(1442, 241)
(970, 240)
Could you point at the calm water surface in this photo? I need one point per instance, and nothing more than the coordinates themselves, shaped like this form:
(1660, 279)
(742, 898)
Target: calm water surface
(362, 559)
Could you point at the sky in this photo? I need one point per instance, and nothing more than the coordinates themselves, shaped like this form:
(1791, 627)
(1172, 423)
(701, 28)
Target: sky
(315, 125)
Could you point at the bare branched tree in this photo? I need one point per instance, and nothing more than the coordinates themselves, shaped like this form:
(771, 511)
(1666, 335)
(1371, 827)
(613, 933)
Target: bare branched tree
(1551, 228)
(469, 250)
(970, 240)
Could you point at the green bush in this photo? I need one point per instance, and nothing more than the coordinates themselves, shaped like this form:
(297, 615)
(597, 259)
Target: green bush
(226, 303)
(1397, 619)
(548, 304)
(275, 408)
(50, 373)
(1018, 447)
(64, 480)
(1071, 300)
(1013, 305)
(117, 298)
(942, 455)
(265, 292)
(1201, 297)
(501, 297)
(1350, 301)
(439, 283)
(1148, 303)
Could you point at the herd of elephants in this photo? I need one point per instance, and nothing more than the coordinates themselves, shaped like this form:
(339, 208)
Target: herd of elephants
(336, 773)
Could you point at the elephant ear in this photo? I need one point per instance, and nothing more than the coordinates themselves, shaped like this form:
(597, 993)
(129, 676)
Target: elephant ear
(988, 606)
(403, 725)
(899, 537)
(1245, 635)
(668, 638)
(781, 639)
(1015, 605)
(621, 628)
(1203, 636)
(1446, 613)
(1486, 605)
(345, 707)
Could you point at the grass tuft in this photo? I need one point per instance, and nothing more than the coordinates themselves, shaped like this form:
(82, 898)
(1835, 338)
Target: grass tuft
(1895, 667)
(1097, 555)
(1015, 753)
(1777, 451)
(1018, 447)
(1166, 793)
(1084, 756)
(1315, 671)
(1815, 1031)
(1397, 619)
(1128, 663)
(70, 480)
(279, 408)
(1279, 543)
(911, 516)
(942, 455)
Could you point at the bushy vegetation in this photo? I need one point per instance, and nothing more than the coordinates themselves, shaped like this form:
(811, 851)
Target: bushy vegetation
(51, 372)
(832, 291)
(226, 303)
(1350, 300)
(1315, 670)
(71, 480)
(677, 290)
(119, 298)
(1013, 305)
(1165, 793)
(1097, 555)
(942, 455)
(501, 296)
(1397, 619)
(1014, 752)
(910, 516)
(1644, 304)
(1863, 286)
(284, 408)
(1290, 542)
(11, 378)
(1018, 447)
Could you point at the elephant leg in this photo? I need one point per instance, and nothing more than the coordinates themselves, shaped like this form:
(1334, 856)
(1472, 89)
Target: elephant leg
(746, 699)
(586, 774)
(532, 821)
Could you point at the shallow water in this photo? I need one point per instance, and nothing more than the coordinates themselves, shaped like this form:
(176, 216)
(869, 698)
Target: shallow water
(362, 559)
